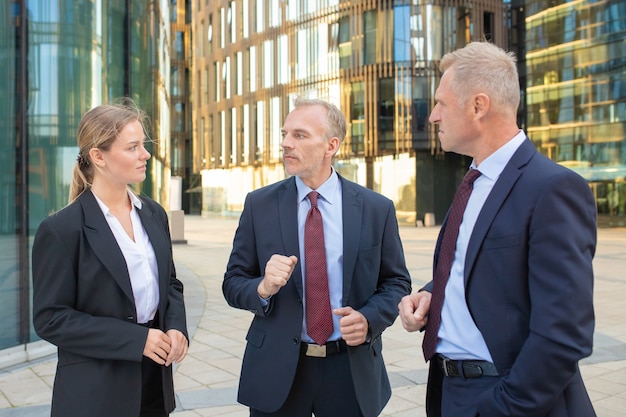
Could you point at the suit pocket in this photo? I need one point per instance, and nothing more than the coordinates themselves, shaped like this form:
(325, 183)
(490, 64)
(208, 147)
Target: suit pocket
(368, 259)
(497, 242)
(255, 337)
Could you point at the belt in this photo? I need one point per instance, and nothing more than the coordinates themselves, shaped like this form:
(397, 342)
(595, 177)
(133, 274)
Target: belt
(151, 324)
(467, 369)
(330, 348)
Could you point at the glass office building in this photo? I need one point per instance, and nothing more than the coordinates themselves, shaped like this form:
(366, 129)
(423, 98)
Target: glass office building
(377, 60)
(576, 93)
(58, 59)
(180, 96)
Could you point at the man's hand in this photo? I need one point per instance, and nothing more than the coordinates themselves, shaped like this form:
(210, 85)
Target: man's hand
(414, 309)
(158, 346)
(352, 324)
(278, 270)
(179, 347)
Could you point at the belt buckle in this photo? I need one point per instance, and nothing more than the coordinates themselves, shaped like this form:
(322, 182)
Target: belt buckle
(315, 350)
(449, 367)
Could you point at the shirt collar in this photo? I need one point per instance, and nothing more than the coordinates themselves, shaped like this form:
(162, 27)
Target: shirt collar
(326, 190)
(136, 201)
(494, 164)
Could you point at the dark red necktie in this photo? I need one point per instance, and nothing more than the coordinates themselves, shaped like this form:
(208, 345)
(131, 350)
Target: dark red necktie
(319, 320)
(444, 261)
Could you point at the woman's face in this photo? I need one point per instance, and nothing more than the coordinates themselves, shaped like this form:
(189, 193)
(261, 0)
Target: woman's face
(125, 161)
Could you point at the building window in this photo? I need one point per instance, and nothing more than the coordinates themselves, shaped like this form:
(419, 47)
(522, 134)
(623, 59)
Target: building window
(260, 131)
(245, 23)
(226, 77)
(283, 59)
(420, 111)
(345, 43)
(209, 37)
(402, 34)
(268, 64)
(260, 15)
(222, 32)
(275, 129)
(216, 79)
(252, 71)
(386, 114)
(202, 152)
(239, 69)
(275, 11)
(245, 155)
(234, 148)
(293, 10)
(357, 116)
(208, 140)
(323, 46)
(222, 140)
(370, 33)
(232, 21)
(302, 64)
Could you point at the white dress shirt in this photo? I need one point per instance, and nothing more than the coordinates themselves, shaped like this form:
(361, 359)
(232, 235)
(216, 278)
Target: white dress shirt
(140, 260)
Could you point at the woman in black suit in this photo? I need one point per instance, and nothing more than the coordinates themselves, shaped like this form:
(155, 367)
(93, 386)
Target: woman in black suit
(105, 290)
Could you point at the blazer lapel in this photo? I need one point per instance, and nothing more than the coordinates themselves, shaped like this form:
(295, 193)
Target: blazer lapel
(102, 240)
(288, 222)
(352, 223)
(496, 198)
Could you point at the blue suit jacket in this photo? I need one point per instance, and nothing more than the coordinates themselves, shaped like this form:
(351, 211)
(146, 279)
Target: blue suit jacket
(83, 303)
(375, 278)
(529, 288)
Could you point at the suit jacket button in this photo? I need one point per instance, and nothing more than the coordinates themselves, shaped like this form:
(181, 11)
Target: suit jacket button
(295, 340)
(130, 318)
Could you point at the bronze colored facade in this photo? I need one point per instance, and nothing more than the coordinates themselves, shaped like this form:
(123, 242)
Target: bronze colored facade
(377, 60)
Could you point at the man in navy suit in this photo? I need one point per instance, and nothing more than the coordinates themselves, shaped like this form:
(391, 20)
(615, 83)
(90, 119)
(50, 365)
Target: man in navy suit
(517, 314)
(285, 373)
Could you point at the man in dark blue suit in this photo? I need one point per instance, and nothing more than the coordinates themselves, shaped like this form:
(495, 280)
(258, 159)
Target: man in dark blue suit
(287, 370)
(517, 314)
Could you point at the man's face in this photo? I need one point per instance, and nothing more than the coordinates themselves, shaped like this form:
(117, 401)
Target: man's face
(307, 152)
(453, 119)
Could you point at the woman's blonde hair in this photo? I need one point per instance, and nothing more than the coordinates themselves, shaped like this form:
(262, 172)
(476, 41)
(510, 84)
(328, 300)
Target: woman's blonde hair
(98, 128)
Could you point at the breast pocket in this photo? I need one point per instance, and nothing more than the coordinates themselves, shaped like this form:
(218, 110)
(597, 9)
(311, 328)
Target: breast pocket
(499, 242)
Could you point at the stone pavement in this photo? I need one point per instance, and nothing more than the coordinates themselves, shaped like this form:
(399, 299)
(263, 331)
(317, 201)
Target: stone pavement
(206, 381)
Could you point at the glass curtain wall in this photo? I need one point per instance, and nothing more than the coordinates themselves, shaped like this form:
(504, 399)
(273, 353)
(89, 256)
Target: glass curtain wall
(65, 57)
(576, 93)
(11, 180)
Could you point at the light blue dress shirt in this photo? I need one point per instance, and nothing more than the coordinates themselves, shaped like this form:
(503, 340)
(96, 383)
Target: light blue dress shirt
(459, 338)
(330, 205)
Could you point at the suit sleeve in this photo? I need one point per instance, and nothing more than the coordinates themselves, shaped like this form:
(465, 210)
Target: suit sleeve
(55, 314)
(561, 246)
(394, 282)
(243, 272)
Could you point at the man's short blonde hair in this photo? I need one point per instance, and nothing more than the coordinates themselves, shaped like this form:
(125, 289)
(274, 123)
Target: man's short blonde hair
(482, 67)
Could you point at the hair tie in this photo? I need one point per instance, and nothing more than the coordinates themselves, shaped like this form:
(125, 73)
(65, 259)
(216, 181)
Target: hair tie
(82, 161)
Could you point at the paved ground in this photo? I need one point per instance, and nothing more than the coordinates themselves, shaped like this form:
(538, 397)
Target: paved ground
(206, 381)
